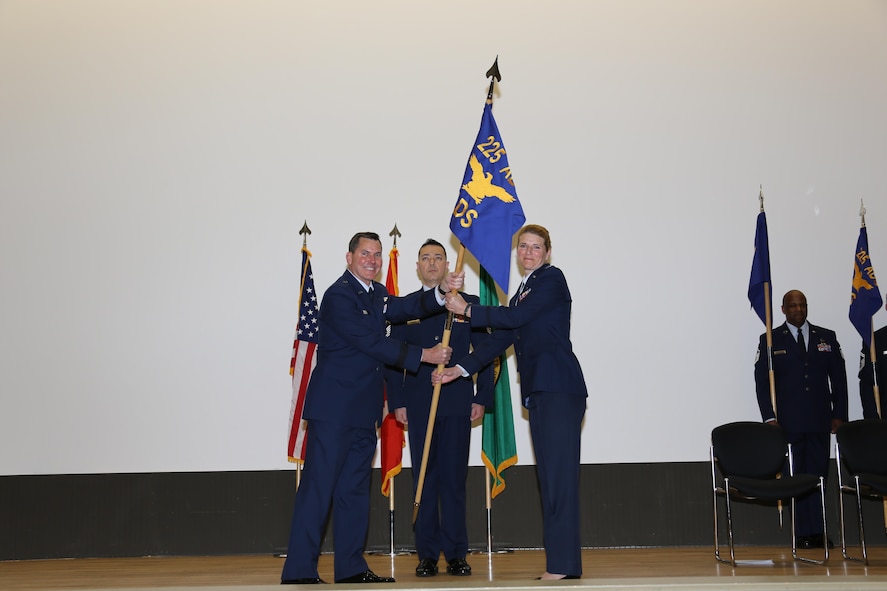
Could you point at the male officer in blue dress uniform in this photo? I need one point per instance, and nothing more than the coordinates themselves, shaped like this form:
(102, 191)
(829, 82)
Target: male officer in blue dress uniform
(811, 400)
(866, 377)
(342, 406)
(441, 522)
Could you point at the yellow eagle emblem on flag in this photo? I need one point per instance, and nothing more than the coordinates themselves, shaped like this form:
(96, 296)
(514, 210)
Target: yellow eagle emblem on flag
(859, 281)
(481, 184)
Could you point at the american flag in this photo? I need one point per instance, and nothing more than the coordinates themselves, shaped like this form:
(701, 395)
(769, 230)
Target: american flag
(303, 361)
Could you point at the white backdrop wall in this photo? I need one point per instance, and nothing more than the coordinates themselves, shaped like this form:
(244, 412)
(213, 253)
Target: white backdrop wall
(157, 159)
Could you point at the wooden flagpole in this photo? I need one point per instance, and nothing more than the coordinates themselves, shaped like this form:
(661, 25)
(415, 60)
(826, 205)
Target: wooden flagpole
(768, 324)
(875, 386)
(768, 327)
(768, 313)
(435, 397)
(872, 351)
(876, 391)
(494, 75)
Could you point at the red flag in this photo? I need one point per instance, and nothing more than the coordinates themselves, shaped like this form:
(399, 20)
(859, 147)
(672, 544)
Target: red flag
(392, 439)
(303, 361)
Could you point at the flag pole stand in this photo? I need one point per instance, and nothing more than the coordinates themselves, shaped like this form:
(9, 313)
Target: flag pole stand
(489, 509)
(392, 552)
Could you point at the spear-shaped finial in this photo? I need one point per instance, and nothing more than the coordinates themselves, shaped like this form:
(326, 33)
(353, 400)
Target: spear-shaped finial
(862, 213)
(396, 233)
(305, 231)
(494, 76)
(761, 197)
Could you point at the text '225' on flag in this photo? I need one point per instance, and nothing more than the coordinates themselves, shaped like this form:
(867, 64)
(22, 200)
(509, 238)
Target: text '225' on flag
(865, 299)
(488, 213)
(304, 359)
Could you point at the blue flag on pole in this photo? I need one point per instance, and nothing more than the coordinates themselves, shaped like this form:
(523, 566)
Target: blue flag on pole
(760, 270)
(865, 299)
(488, 213)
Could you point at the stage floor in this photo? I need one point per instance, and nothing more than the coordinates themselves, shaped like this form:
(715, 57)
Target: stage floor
(644, 569)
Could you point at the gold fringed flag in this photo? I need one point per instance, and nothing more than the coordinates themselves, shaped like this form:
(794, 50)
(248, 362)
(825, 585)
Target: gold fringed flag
(487, 212)
(499, 450)
(392, 439)
(303, 360)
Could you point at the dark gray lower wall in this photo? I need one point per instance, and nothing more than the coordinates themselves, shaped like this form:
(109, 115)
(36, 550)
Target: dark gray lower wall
(221, 513)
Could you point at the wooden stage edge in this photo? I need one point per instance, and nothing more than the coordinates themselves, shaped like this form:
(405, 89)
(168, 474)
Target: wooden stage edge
(636, 569)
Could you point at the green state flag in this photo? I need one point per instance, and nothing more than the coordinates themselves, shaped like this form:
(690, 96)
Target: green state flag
(499, 450)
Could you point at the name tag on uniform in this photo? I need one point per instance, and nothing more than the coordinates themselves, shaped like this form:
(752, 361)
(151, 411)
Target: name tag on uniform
(779, 352)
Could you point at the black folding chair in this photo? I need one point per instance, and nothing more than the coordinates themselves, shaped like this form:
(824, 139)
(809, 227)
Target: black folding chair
(750, 458)
(861, 450)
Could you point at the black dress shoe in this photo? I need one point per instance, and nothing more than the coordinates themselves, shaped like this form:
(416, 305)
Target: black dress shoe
(458, 567)
(426, 568)
(303, 581)
(366, 576)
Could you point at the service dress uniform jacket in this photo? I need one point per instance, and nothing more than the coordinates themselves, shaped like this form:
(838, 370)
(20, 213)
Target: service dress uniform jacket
(537, 323)
(343, 403)
(811, 390)
(441, 521)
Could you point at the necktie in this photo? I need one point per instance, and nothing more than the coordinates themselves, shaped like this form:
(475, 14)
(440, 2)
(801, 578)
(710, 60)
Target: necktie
(801, 344)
